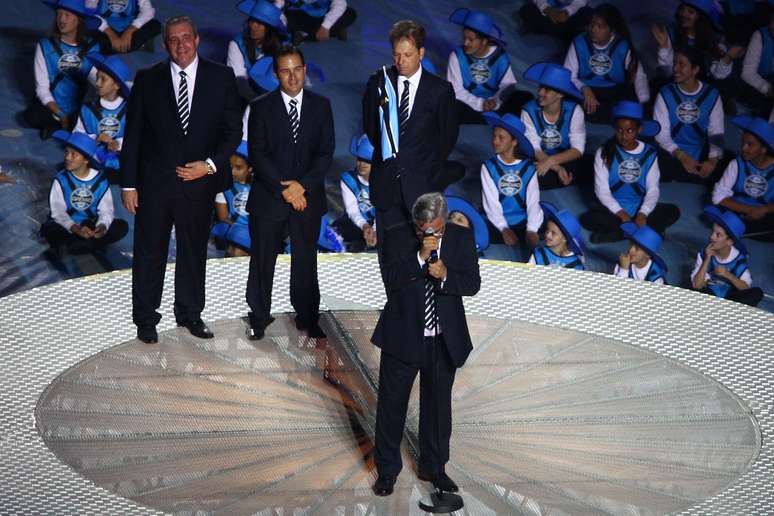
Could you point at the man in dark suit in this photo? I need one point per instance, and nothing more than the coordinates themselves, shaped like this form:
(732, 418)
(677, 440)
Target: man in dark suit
(426, 133)
(423, 329)
(182, 126)
(290, 146)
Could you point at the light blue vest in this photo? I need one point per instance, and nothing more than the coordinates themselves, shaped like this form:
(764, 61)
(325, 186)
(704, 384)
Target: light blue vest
(236, 200)
(97, 120)
(314, 8)
(68, 71)
(361, 193)
(482, 76)
(511, 182)
(689, 117)
(627, 177)
(655, 272)
(554, 138)
(765, 66)
(82, 197)
(754, 187)
(545, 256)
(721, 286)
(239, 39)
(119, 14)
(601, 68)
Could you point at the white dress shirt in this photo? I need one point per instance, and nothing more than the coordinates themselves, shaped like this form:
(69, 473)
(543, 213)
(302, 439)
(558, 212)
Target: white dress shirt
(638, 273)
(577, 129)
(746, 276)
(715, 129)
(299, 99)
(413, 85)
(43, 81)
(59, 206)
(493, 208)
(107, 104)
(602, 184)
(145, 13)
(571, 6)
(454, 76)
(335, 11)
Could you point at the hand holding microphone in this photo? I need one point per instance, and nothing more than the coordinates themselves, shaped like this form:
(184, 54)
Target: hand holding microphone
(429, 253)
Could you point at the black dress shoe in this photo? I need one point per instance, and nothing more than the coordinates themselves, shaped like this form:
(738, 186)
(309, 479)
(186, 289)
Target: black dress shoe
(312, 330)
(255, 333)
(198, 329)
(441, 482)
(384, 486)
(147, 334)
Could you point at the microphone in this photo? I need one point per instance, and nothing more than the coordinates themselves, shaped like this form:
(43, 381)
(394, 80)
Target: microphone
(434, 253)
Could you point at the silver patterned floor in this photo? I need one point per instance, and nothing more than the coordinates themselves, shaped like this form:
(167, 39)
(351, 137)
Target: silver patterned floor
(585, 394)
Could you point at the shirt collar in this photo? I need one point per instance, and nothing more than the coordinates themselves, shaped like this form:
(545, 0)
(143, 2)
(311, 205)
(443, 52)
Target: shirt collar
(287, 98)
(414, 79)
(189, 70)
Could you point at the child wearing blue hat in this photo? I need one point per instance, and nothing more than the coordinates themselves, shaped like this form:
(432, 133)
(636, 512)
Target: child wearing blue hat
(480, 69)
(747, 185)
(62, 70)
(317, 20)
(104, 118)
(641, 261)
(82, 212)
(626, 177)
(563, 19)
(509, 185)
(690, 113)
(231, 206)
(556, 126)
(564, 244)
(758, 68)
(357, 225)
(127, 25)
(605, 66)
(261, 36)
(722, 267)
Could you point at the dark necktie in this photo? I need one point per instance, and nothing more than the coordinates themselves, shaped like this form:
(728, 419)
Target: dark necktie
(404, 107)
(182, 102)
(294, 119)
(430, 315)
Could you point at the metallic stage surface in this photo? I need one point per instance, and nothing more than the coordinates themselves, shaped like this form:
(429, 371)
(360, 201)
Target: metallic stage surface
(585, 394)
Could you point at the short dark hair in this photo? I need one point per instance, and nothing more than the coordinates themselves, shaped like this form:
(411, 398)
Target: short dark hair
(410, 30)
(287, 50)
(179, 19)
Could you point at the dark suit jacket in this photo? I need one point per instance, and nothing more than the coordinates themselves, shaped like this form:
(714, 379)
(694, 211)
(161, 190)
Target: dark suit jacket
(400, 329)
(275, 157)
(154, 143)
(430, 136)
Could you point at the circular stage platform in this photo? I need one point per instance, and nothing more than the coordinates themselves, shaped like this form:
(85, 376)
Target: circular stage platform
(585, 394)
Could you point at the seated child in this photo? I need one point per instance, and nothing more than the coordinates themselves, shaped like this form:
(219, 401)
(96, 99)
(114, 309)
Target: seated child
(317, 20)
(641, 261)
(82, 210)
(564, 245)
(480, 70)
(563, 19)
(556, 126)
(231, 204)
(357, 226)
(104, 118)
(722, 268)
(127, 25)
(509, 184)
(747, 185)
(626, 176)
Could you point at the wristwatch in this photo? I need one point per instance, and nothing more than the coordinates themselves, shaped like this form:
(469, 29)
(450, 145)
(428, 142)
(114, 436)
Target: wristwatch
(210, 168)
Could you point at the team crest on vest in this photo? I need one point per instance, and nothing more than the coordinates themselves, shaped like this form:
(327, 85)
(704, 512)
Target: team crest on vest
(480, 71)
(755, 186)
(81, 198)
(69, 62)
(117, 6)
(550, 138)
(240, 203)
(364, 201)
(629, 170)
(688, 112)
(510, 184)
(109, 125)
(600, 63)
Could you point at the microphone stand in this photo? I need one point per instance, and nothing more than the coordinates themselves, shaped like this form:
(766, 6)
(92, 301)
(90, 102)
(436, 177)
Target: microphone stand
(441, 502)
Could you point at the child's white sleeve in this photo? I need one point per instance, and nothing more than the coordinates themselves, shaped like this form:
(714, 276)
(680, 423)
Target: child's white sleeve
(220, 198)
(351, 207)
(58, 206)
(491, 201)
(724, 188)
(106, 210)
(534, 211)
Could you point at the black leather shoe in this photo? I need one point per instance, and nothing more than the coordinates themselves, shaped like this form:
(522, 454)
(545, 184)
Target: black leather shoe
(198, 329)
(441, 482)
(313, 330)
(384, 486)
(147, 334)
(255, 333)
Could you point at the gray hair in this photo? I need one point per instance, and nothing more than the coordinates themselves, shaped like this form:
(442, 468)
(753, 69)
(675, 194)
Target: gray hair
(175, 20)
(429, 207)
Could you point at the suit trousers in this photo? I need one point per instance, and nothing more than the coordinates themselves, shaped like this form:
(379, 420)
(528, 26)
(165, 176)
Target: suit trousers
(267, 237)
(153, 225)
(396, 379)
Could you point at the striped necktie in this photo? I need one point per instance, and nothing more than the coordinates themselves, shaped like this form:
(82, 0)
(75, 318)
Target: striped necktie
(182, 102)
(430, 315)
(294, 119)
(403, 114)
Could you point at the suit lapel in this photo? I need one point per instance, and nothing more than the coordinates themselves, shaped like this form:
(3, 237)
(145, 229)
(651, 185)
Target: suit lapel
(200, 92)
(419, 99)
(307, 108)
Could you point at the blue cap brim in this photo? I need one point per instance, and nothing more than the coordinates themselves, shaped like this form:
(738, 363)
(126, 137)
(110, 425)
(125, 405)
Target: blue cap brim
(525, 147)
(553, 215)
(629, 229)
(714, 214)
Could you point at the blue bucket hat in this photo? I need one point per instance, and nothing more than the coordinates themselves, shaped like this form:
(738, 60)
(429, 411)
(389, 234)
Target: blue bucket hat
(647, 238)
(478, 224)
(81, 142)
(479, 22)
(757, 126)
(262, 73)
(707, 7)
(568, 225)
(553, 76)
(514, 126)
(265, 12)
(361, 148)
(242, 149)
(634, 111)
(116, 68)
(730, 222)
(75, 6)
